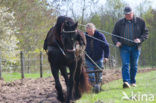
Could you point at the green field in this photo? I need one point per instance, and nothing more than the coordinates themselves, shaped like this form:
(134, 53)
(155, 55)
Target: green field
(145, 92)
(8, 77)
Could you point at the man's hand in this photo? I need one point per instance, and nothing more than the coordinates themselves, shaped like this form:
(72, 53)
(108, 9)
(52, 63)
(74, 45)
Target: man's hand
(105, 60)
(137, 40)
(118, 44)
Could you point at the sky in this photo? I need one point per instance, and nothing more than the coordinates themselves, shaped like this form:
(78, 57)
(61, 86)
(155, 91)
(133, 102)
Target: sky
(133, 3)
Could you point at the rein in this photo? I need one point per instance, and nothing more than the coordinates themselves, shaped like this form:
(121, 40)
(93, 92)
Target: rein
(60, 48)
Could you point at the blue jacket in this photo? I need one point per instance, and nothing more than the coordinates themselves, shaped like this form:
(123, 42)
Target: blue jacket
(100, 50)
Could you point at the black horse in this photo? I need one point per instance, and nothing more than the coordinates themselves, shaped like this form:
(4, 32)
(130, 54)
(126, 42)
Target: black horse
(66, 47)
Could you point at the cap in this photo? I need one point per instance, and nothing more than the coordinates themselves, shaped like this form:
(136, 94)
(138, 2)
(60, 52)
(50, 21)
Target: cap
(127, 10)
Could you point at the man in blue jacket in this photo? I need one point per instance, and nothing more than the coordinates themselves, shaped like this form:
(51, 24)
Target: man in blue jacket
(98, 51)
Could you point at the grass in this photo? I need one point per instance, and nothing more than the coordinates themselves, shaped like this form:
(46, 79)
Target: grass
(8, 77)
(145, 92)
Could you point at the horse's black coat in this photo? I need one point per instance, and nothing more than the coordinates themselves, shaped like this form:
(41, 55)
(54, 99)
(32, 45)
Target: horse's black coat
(66, 47)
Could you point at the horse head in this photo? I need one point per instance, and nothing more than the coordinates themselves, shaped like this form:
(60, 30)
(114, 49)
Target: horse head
(69, 37)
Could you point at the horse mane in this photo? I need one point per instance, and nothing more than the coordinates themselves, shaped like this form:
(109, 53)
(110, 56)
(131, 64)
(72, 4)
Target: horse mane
(82, 37)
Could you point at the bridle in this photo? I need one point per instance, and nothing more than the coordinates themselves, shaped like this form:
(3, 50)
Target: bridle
(74, 31)
(63, 49)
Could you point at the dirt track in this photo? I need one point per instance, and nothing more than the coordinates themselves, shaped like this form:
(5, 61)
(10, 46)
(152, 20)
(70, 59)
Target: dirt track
(42, 90)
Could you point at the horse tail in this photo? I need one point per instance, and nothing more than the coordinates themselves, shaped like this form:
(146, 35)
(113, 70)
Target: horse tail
(84, 85)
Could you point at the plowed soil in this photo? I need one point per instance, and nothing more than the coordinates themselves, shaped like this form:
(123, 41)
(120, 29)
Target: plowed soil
(42, 90)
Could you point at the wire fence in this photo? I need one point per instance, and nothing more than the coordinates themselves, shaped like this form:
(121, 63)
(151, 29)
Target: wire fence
(30, 62)
(25, 62)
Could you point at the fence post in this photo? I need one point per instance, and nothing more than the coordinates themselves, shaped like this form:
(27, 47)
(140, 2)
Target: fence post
(28, 64)
(41, 63)
(22, 65)
(0, 67)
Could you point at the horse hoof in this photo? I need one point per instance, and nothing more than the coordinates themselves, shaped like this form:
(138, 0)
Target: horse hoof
(70, 101)
(61, 99)
(76, 97)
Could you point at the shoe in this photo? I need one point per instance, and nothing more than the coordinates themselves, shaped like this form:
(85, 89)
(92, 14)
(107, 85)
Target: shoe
(96, 88)
(126, 85)
(133, 85)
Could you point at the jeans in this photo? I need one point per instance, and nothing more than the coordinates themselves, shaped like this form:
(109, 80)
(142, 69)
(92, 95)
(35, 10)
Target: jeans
(91, 66)
(130, 57)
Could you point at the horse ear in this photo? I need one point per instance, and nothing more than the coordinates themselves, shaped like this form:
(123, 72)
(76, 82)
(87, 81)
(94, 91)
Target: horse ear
(75, 25)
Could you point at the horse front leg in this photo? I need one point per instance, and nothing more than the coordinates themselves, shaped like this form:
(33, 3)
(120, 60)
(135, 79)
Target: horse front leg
(55, 72)
(71, 82)
(64, 74)
(77, 92)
